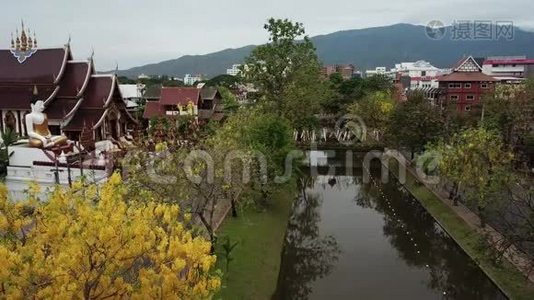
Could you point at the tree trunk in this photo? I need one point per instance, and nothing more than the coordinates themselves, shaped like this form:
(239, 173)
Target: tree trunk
(213, 240)
(481, 215)
(234, 210)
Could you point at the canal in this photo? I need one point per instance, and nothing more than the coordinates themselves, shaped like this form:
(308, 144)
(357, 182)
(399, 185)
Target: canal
(347, 239)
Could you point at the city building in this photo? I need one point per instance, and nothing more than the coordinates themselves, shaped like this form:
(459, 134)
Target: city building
(191, 80)
(508, 68)
(421, 73)
(132, 95)
(202, 103)
(346, 71)
(376, 71)
(143, 76)
(74, 96)
(465, 85)
(234, 71)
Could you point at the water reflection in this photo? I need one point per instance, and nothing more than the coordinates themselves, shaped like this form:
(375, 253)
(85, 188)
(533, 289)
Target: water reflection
(307, 256)
(423, 244)
(349, 240)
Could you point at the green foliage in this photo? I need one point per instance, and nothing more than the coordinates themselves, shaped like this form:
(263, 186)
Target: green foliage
(415, 123)
(271, 135)
(163, 80)
(229, 100)
(126, 80)
(9, 137)
(223, 80)
(508, 110)
(286, 72)
(375, 111)
(346, 92)
(228, 247)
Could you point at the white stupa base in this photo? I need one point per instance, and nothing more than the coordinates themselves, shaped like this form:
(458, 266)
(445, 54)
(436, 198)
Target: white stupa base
(26, 165)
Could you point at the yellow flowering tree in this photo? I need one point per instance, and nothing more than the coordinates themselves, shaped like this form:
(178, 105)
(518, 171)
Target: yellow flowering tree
(93, 243)
(476, 160)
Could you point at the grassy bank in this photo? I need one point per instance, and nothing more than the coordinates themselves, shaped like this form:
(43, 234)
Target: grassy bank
(253, 272)
(505, 275)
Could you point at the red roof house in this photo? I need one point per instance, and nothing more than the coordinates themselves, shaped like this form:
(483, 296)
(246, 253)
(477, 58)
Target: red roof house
(465, 85)
(173, 101)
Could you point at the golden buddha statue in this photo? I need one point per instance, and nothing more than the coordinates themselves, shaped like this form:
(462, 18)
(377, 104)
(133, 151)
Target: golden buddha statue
(38, 131)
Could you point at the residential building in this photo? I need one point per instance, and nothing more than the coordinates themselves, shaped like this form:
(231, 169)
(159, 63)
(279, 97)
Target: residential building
(203, 104)
(466, 85)
(346, 71)
(75, 97)
(143, 76)
(191, 80)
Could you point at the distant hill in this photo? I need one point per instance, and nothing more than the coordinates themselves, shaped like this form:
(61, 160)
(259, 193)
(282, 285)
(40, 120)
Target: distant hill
(365, 48)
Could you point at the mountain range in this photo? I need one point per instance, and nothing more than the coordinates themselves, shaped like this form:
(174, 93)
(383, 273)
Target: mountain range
(364, 48)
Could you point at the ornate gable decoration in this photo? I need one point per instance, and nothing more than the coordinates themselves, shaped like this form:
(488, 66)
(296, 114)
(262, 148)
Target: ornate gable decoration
(23, 46)
(468, 65)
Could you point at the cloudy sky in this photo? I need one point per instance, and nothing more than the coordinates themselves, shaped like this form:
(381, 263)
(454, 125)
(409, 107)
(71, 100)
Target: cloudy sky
(134, 32)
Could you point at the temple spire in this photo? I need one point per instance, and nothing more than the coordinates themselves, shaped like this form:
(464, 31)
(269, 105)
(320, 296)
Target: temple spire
(17, 41)
(23, 46)
(23, 38)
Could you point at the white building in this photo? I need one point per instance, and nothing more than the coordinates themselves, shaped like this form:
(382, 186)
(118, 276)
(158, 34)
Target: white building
(422, 74)
(376, 71)
(143, 76)
(234, 71)
(508, 68)
(132, 94)
(190, 79)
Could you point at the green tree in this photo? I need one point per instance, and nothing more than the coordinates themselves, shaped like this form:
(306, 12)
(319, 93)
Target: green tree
(286, 72)
(415, 123)
(223, 80)
(375, 111)
(478, 162)
(229, 100)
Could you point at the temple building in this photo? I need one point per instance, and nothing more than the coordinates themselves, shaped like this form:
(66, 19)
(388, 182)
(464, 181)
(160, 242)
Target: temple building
(75, 97)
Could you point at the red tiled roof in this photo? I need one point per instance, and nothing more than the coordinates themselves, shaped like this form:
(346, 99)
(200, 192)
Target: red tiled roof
(99, 89)
(87, 117)
(43, 67)
(466, 76)
(20, 97)
(59, 108)
(179, 95)
(152, 109)
(75, 79)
